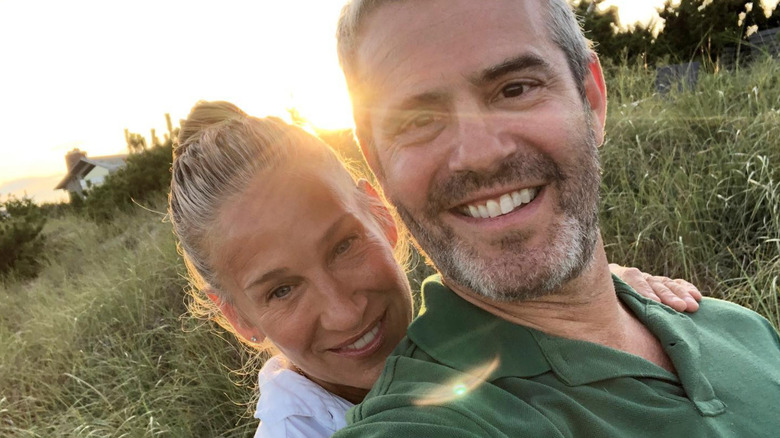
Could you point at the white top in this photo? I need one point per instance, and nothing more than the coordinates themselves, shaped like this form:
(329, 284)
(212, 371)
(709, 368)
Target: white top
(292, 406)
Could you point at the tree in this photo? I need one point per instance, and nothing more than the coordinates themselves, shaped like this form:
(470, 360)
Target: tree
(610, 40)
(702, 29)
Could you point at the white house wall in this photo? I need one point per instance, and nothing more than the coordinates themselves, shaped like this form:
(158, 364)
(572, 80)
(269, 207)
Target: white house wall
(96, 176)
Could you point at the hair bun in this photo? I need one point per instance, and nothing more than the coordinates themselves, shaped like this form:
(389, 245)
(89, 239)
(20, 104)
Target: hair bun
(203, 116)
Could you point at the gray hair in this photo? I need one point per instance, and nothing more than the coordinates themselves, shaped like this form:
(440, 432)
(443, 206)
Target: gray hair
(563, 27)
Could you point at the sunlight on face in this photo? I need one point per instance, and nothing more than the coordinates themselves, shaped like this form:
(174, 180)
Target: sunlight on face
(308, 267)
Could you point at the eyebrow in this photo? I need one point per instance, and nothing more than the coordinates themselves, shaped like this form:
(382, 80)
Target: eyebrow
(516, 64)
(267, 277)
(428, 99)
(280, 272)
(527, 61)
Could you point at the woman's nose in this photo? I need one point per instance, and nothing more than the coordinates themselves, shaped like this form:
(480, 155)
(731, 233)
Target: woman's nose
(343, 309)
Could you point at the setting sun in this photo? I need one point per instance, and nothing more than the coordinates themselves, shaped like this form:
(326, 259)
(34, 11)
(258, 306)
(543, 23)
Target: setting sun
(83, 72)
(77, 74)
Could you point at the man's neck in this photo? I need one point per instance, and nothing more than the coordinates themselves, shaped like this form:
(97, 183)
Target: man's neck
(585, 308)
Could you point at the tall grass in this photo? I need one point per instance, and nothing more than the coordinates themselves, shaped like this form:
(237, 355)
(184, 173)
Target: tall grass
(98, 345)
(692, 181)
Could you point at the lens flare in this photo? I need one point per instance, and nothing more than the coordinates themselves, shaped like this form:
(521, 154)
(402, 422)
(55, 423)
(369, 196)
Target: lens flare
(461, 386)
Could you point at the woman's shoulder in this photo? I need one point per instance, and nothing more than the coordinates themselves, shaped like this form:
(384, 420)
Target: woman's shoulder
(292, 405)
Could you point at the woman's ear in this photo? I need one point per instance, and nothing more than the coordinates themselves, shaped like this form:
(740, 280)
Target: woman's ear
(380, 211)
(246, 331)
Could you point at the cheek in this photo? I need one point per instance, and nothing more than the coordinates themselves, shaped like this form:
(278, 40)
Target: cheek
(408, 175)
(290, 331)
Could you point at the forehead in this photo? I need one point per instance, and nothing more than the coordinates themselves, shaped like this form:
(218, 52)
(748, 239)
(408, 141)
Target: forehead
(280, 211)
(417, 44)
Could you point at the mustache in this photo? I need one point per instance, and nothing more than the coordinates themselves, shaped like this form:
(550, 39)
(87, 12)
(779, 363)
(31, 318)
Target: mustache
(519, 167)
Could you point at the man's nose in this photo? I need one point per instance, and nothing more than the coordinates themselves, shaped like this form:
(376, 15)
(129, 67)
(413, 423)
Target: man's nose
(343, 307)
(480, 143)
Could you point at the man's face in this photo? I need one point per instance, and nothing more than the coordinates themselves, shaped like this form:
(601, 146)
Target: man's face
(483, 142)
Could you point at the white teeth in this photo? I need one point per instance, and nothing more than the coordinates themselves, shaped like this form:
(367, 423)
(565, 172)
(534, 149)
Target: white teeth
(493, 209)
(505, 204)
(364, 340)
(525, 196)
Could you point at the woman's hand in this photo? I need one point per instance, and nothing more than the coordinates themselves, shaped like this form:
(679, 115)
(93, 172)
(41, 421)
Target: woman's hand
(677, 294)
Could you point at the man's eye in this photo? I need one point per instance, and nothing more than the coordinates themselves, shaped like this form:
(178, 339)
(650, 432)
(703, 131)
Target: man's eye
(423, 120)
(513, 90)
(420, 120)
(280, 292)
(343, 246)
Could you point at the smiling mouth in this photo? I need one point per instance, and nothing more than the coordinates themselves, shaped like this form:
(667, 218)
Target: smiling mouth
(364, 340)
(499, 206)
(367, 344)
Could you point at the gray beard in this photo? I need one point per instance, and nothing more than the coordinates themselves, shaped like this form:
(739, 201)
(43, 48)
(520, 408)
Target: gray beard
(520, 274)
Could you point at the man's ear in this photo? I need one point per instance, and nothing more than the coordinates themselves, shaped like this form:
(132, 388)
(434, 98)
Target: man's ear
(596, 93)
(380, 211)
(246, 331)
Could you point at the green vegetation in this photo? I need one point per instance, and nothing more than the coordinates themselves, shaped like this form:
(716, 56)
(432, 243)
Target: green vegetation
(21, 242)
(694, 30)
(146, 173)
(692, 182)
(99, 344)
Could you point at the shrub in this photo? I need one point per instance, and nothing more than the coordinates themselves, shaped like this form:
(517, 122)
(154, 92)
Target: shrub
(144, 177)
(21, 242)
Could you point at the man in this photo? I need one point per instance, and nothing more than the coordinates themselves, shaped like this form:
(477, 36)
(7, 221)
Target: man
(481, 120)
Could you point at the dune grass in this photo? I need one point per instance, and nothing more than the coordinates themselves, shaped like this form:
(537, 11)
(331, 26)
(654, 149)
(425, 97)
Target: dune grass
(692, 181)
(100, 344)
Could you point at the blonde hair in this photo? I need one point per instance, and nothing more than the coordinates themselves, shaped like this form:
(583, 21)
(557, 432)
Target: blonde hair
(220, 150)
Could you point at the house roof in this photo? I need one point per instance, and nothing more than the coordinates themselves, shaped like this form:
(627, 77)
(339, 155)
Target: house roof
(86, 164)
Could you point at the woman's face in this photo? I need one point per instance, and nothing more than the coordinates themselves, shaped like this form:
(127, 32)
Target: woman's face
(307, 266)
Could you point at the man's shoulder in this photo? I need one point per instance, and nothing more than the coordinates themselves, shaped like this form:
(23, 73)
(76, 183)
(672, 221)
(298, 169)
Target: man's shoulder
(735, 323)
(418, 395)
(721, 312)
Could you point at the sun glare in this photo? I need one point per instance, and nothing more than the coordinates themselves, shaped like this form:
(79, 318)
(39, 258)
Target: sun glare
(631, 12)
(83, 72)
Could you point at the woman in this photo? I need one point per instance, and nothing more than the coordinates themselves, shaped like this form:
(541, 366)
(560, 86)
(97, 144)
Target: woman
(295, 254)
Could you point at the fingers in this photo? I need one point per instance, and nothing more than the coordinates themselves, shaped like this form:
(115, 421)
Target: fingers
(678, 294)
(664, 289)
(636, 279)
(687, 292)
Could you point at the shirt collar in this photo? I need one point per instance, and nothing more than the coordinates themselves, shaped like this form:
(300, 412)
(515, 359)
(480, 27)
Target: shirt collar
(464, 337)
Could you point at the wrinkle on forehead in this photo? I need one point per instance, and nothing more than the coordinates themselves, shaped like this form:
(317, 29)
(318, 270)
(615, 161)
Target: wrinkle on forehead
(401, 40)
(249, 225)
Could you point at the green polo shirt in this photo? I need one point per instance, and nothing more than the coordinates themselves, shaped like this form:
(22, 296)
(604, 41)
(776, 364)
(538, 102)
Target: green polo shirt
(462, 372)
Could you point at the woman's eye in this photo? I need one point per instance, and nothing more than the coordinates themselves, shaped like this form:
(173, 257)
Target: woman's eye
(513, 90)
(280, 292)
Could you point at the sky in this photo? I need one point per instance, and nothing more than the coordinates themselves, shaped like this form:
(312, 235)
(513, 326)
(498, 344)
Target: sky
(77, 73)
